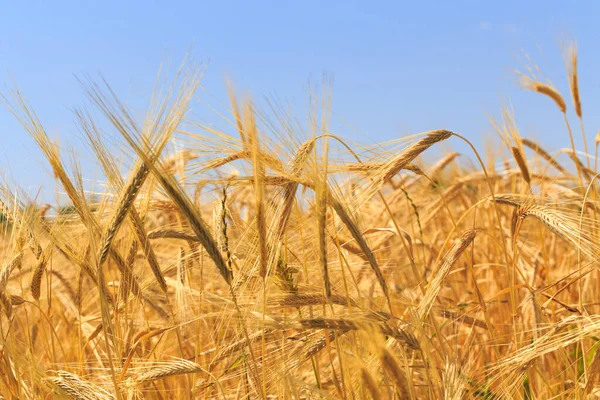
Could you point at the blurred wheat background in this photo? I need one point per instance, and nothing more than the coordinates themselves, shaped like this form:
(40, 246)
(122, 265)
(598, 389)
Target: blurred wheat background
(273, 259)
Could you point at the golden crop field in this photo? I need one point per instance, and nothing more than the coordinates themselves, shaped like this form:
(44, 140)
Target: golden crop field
(273, 259)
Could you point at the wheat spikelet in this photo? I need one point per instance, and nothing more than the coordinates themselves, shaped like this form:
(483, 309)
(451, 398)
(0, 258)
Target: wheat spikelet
(78, 388)
(142, 237)
(362, 243)
(174, 368)
(369, 383)
(34, 127)
(342, 324)
(316, 346)
(443, 163)
(394, 371)
(6, 302)
(16, 300)
(321, 214)
(66, 284)
(544, 154)
(8, 268)
(234, 347)
(580, 167)
(40, 268)
(412, 152)
(33, 244)
(188, 210)
(171, 234)
(556, 223)
(464, 318)
(373, 167)
(573, 77)
(267, 158)
(250, 130)
(521, 163)
(554, 220)
(545, 89)
(171, 187)
(289, 190)
(454, 382)
(301, 300)
(125, 286)
(593, 371)
(441, 270)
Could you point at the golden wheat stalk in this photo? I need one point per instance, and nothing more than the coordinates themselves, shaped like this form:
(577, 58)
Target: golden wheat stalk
(76, 387)
(441, 271)
(394, 330)
(32, 242)
(40, 268)
(369, 383)
(188, 210)
(302, 300)
(174, 368)
(520, 159)
(544, 154)
(172, 234)
(362, 243)
(8, 268)
(412, 152)
(574, 79)
(394, 371)
(545, 89)
(289, 190)
(251, 131)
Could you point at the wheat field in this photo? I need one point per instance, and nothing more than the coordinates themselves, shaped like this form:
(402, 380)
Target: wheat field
(273, 259)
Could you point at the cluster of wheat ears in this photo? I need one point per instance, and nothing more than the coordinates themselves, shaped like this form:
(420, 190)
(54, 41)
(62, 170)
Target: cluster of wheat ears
(280, 261)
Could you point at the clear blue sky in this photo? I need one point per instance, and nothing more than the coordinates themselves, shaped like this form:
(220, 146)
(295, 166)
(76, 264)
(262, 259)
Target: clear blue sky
(399, 67)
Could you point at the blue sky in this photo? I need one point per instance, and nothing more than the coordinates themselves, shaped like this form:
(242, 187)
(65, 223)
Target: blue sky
(399, 67)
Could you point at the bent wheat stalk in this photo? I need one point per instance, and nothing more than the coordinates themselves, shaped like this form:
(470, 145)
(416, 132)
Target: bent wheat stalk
(441, 271)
